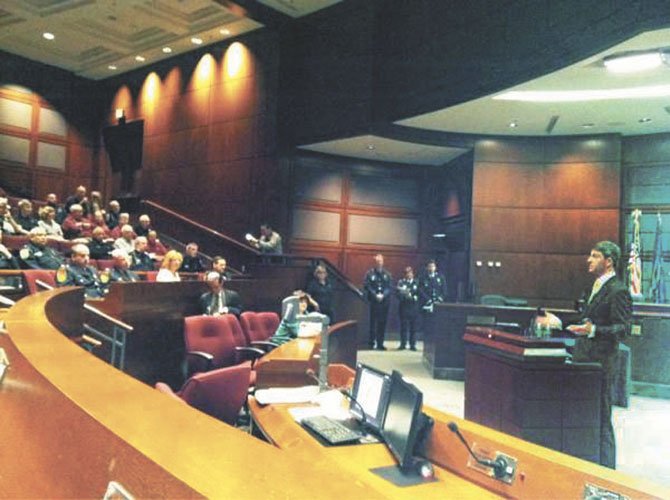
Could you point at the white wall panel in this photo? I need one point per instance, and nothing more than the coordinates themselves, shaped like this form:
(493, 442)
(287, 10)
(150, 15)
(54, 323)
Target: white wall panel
(51, 155)
(316, 225)
(364, 229)
(14, 149)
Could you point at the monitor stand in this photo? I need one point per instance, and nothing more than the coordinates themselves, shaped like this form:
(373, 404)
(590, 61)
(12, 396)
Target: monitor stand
(398, 477)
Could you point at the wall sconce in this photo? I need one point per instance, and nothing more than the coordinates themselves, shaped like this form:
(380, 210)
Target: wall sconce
(120, 115)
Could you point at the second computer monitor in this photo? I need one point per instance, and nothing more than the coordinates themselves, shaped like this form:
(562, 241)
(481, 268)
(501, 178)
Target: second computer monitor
(370, 395)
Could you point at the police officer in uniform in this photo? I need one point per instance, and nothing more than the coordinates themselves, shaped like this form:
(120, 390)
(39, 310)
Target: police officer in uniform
(37, 255)
(408, 308)
(377, 286)
(140, 260)
(432, 287)
(79, 273)
(120, 271)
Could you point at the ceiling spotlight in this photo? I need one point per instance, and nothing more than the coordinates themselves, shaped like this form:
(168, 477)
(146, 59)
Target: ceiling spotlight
(630, 62)
(588, 125)
(196, 41)
(48, 36)
(646, 119)
(140, 59)
(370, 147)
(224, 31)
(513, 124)
(167, 50)
(112, 67)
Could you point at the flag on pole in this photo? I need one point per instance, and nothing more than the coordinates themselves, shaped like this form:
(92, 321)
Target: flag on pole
(634, 260)
(657, 286)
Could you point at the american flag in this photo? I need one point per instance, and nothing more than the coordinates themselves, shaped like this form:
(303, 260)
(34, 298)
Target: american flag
(634, 260)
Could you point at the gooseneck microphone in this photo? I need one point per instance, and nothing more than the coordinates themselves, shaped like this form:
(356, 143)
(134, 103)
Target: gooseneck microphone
(310, 373)
(498, 465)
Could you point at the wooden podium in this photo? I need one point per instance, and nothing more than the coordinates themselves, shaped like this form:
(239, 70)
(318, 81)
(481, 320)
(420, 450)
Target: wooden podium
(523, 386)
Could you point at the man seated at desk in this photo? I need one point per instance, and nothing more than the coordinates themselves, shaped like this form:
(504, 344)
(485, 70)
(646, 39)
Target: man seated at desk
(79, 273)
(219, 300)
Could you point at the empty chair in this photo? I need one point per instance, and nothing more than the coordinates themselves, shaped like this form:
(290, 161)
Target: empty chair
(258, 327)
(150, 276)
(31, 276)
(218, 393)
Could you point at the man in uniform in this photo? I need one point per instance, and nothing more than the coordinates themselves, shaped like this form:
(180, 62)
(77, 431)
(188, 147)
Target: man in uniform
(218, 300)
(79, 273)
(408, 309)
(120, 271)
(140, 260)
(606, 319)
(37, 255)
(432, 287)
(377, 286)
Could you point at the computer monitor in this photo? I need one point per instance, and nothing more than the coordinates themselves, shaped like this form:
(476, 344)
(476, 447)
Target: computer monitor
(401, 422)
(290, 308)
(370, 396)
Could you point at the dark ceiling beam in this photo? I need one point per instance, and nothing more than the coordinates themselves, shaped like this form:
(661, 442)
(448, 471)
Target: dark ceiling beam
(423, 136)
(252, 9)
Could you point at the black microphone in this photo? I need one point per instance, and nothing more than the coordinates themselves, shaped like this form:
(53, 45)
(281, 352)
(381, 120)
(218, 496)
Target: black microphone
(310, 373)
(498, 465)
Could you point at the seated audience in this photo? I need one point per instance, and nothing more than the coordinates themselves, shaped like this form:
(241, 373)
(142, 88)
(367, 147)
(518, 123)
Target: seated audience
(112, 215)
(7, 260)
(79, 273)
(99, 247)
(192, 262)
(268, 242)
(124, 220)
(125, 241)
(143, 225)
(154, 246)
(220, 265)
(120, 271)
(169, 270)
(48, 222)
(96, 203)
(288, 330)
(76, 225)
(25, 218)
(52, 201)
(140, 260)
(8, 224)
(218, 300)
(321, 290)
(37, 255)
(78, 198)
(99, 221)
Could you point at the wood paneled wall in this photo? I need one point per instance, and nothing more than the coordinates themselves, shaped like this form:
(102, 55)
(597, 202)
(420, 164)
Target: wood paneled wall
(538, 207)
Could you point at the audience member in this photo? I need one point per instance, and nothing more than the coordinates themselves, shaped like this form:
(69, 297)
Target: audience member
(124, 220)
(154, 246)
(220, 265)
(99, 247)
(99, 222)
(96, 203)
(25, 217)
(378, 290)
(169, 270)
(125, 241)
(321, 290)
(37, 255)
(120, 271)
(408, 308)
(78, 198)
(219, 300)
(9, 225)
(140, 260)
(48, 223)
(7, 260)
(79, 273)
(75, 224)
(112, 215)
(52, 201)
(143, 225)
(192, 262)
(268, 242)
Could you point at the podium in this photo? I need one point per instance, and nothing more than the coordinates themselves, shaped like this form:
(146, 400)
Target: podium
(523, 387)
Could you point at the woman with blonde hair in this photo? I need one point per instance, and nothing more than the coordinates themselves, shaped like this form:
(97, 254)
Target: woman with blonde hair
(48, 223)
(170, 267)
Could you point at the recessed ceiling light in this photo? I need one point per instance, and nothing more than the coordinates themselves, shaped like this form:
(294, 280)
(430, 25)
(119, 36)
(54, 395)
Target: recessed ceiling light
(48, 36)
(370, 147)
(112, 67)
(224, 31)
(167, 50)
(196, 41)
(588, 125)
(646, 119)
(632, 62)
(140, 59)
(513, 124)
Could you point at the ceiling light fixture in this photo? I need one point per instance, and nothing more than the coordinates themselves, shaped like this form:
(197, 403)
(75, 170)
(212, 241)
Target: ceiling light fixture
(646, 119)
(48, 36)
(196, 41)
(588, 125)
(224, 31)
(513, 124)
(370, 147)
(140, 59)
(584, 95)
(167, 50)
(631, 62)
(112, 67)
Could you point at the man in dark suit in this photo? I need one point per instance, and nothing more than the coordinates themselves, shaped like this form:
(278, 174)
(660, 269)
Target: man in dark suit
(219, 301)
(605, 320)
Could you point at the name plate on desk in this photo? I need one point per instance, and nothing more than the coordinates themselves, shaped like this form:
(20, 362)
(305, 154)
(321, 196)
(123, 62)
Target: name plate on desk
(545, 352)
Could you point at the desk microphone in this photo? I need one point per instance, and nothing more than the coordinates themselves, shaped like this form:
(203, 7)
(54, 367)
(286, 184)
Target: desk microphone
(310, 373)
(498, 465)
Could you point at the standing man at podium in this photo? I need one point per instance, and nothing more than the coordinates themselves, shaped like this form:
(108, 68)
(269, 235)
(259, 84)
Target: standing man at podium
(605, 320)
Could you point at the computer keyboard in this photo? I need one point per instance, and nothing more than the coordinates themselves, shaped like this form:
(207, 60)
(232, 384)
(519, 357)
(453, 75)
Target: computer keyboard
(331, 430)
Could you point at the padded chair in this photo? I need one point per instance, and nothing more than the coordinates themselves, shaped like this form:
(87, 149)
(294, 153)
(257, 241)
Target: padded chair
(214, 342)
(105, 264)
(14, 241)
(150, 276)
(219, 393)
(31, 276)
(258, 327)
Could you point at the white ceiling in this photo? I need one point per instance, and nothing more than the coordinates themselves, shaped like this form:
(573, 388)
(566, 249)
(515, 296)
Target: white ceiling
(490, 116)
(371, 147)
(91, 35)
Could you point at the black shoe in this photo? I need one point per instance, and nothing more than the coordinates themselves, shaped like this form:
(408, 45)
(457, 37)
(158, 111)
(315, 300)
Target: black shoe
(412, 348)
(401, 347)
(381, 348)
(371, 345)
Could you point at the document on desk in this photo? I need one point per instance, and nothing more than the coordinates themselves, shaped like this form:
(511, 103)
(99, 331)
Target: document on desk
(278, 395)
